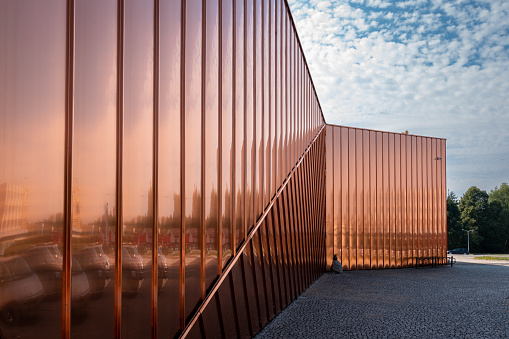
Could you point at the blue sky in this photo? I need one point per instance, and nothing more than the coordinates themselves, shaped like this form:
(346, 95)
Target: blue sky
(437, 68)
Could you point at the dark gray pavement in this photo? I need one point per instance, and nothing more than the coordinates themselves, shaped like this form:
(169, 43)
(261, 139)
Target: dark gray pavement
(468, 300)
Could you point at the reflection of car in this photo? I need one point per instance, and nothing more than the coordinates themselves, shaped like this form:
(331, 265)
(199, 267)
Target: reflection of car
(134, 255)
(53, 248)
(20, 290)
(458, 251)
(103, 258)
(162, 269)
(80, 289)
(96, 265)
(132, 270)
(47, 266)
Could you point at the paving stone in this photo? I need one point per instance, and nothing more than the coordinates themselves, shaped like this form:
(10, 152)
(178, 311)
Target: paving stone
(468, 300)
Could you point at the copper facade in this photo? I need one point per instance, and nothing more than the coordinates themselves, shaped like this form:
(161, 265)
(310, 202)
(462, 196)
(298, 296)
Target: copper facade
(142, 144)
(280, 257)
(163, 171)
(386, 198)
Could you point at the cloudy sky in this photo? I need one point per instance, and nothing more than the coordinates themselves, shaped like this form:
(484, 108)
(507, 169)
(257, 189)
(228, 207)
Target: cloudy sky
(436, 68)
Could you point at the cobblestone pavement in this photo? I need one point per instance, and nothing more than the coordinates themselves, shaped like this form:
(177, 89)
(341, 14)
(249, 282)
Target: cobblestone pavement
(468, 300)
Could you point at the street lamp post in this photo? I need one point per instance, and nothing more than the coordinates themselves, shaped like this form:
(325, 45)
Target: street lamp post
(468, 239)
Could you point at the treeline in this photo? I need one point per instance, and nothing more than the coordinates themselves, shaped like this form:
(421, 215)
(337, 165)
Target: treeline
(486, 215)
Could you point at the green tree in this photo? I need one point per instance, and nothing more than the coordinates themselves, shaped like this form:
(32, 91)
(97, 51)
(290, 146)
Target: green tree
(494, 233)
(474, 210)
(501, 196)
(455, 235)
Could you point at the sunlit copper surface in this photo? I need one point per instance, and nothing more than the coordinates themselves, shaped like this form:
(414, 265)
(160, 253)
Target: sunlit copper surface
(167, 159)
(33, 102)
(385, 198)
(67, 212)
(305, 188)
(143, 141)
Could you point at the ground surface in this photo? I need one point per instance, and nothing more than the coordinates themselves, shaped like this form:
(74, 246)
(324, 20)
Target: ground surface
(468, 300)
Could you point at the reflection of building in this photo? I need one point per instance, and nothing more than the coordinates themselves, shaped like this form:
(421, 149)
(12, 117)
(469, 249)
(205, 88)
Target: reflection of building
(210, 239)
(76, 210)
(192, 239)
(13, 208)
(13, 213)
(170, 239)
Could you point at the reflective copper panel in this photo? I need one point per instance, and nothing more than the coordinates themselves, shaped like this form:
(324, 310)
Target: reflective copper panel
(94, 169)
(281, 256)
(142, 144)
(163, 172)
(32, 154)
(385, 198)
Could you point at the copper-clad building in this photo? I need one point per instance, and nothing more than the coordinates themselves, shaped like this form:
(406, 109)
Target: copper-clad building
(386, 198)
(166, 170)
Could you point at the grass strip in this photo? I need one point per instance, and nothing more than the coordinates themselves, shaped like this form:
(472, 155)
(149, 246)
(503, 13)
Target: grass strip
(487, 257)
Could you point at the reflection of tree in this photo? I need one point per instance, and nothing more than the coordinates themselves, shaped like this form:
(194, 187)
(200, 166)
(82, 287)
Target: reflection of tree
(169, 234)
(226, 203)
(249, 210)
(177, 203)
(239, 218)
(150, 204)
(76, 207)
(138, 230)
(211, 222)
(243, 214)
(106, 226)
(226, 221)
(196, 209)
(193, 222)
(55, 220)
(173, 220)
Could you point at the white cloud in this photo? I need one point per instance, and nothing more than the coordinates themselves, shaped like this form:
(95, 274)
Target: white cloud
(437, 69)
